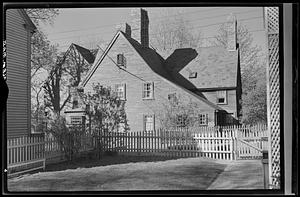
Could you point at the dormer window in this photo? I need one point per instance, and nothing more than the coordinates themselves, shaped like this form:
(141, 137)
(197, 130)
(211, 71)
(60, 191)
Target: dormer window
(193, 75)
(121, 60)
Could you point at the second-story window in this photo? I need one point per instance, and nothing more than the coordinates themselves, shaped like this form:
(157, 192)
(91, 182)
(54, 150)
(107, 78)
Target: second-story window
(120, 90)
(121, 60)
(148, 90)
(222, 97)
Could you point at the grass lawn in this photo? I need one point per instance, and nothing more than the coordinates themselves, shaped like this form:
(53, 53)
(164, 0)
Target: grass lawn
(141, 173)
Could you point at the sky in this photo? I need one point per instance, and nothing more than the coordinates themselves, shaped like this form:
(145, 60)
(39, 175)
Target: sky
(90, 26)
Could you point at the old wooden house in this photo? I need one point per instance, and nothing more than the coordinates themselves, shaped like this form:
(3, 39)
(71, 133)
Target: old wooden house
(209, 77)
(19, 29)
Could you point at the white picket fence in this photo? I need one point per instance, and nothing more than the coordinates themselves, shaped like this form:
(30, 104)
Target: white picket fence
(226, 143)
(251, 140)
(28, 153)
(25, 154)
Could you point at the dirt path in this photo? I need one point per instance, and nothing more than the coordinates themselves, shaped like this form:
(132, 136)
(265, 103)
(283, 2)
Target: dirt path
(179, 174)
(240, 175)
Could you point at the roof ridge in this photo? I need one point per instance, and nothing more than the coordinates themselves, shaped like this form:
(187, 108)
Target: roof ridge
(98, 62)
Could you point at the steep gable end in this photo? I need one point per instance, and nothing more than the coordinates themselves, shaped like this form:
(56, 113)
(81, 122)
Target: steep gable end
(86, 54)
(151, 59)
(98, 59)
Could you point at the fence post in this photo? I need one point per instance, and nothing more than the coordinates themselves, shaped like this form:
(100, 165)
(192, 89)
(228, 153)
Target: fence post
(265, 163)
(235, 143)
(138, 143)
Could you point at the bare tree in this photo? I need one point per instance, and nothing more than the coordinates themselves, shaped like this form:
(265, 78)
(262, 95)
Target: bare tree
(76, 65)
(42, 56)
(174, 32)
(44, 15)
(253, 74)
(65, 74)
(178, 112)
(56, 84)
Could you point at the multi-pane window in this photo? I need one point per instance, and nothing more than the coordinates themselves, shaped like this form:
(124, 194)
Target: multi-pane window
(76, 120)
(121, 60)
(203, 119)
(120, 90)
(148, 90)
(182, 121)
(148, 122)
(222, 97)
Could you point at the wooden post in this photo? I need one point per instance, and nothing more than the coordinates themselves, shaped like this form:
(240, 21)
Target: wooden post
(265, 164)
(138, 143)
(235, 143)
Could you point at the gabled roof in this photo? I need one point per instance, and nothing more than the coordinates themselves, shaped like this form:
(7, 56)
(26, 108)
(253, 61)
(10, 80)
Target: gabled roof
(98, 59)
(216, 67)
(152, 59)
(86, 54)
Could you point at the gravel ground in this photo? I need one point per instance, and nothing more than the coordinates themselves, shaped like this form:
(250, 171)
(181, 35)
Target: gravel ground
(176, 174)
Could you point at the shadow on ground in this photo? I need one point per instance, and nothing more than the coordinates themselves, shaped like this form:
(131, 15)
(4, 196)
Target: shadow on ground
(103, 161)
(135, 174)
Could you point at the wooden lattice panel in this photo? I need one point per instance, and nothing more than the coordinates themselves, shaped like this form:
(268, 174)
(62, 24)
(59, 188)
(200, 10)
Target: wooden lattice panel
(272, 22)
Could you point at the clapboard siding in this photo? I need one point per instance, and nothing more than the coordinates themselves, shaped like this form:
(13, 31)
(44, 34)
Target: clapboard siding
(18, 74)
(136, 107)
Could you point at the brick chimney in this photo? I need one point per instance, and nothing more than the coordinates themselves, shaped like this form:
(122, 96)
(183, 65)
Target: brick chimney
(125, 28)
(140, 26)
(232, 33)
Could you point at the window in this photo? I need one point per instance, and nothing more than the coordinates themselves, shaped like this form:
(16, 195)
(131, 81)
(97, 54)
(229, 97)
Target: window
(203, 119)
(76, 120)
(148, 90)
(222, 97)
(121, 60)
(182, 121)
(120, 90)
(173, 98)
(193, 75)
(148, 122)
